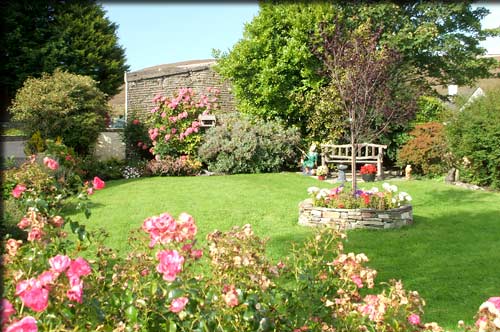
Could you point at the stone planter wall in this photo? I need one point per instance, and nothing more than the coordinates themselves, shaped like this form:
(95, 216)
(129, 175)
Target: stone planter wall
(346, 219)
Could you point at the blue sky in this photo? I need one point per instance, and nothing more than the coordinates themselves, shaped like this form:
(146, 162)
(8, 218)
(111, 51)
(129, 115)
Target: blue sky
(158, 33)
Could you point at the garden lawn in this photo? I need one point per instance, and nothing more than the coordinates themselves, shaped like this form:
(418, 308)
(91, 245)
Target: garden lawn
(451, 255)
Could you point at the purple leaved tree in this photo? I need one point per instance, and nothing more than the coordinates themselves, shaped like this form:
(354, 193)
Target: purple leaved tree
(373, 87)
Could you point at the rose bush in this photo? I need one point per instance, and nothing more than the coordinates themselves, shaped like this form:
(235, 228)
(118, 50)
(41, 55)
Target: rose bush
(60, 282)
(174, 127)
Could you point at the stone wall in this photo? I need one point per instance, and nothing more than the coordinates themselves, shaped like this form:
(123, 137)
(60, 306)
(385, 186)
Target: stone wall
(144, 85)
(346, 219)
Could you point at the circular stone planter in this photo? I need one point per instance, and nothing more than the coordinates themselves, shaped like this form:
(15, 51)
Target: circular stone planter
(345, 219)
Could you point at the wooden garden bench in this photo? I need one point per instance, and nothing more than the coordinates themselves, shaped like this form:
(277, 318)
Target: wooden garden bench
(342, 154)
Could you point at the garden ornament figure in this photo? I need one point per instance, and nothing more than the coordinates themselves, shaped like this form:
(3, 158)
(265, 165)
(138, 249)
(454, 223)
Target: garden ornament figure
(408, 172)
(309, 160)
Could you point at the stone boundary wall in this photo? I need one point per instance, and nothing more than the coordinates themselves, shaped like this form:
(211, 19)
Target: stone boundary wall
(144, 85)
(346, 219)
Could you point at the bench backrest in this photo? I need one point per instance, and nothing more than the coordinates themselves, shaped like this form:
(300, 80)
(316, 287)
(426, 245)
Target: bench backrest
(366, 152)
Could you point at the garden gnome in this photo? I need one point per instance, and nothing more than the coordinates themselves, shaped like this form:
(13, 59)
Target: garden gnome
(408, 172)
(310, 160)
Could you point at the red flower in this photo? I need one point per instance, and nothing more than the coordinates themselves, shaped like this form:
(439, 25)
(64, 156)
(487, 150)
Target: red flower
(368, 169)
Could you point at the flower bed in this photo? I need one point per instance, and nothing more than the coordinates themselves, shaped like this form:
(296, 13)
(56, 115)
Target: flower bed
(345, 209)
(345, 219)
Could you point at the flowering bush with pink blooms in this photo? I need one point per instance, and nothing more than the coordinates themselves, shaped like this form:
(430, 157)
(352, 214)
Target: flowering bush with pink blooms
(59, 282)
(174, 127)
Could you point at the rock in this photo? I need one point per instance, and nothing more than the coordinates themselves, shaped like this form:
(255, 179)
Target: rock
(450, 177)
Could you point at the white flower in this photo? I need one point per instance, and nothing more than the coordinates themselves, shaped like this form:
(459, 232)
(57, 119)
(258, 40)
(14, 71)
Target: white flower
(312, 190)
(374, 190)
(394, 200)
(323, 193)
(393, 188)
(386, 186)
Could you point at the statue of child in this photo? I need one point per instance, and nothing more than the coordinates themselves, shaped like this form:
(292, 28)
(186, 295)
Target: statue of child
(309, 161)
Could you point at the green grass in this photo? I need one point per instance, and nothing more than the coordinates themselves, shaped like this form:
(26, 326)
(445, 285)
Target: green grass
(451, 255)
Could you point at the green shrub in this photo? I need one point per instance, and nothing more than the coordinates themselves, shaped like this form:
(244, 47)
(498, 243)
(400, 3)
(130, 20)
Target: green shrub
(136, 138)
(62, 105)
(111, 169)
(474, 135)
(242, 144)
(427, 151)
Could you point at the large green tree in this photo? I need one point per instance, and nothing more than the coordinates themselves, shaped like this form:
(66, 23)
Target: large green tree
(275, 75)
(40, 36)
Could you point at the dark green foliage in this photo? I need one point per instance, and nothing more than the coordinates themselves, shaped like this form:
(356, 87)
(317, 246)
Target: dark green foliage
(40, 36)
(275, 75)
(427, 151)
(105, 169)
(136, 138)
(62, 105)
(244, 144)
(474, 135)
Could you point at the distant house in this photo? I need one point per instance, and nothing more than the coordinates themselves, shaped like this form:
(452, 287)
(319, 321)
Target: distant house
(477, 89)
(143, 85)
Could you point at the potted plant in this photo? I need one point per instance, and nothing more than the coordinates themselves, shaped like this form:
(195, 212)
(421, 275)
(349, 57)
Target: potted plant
(368, 172)
(322, 172)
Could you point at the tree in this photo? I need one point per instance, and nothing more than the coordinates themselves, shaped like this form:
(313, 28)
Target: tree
(40, 36)
(367, 78)
(62, 105)
(275, 74)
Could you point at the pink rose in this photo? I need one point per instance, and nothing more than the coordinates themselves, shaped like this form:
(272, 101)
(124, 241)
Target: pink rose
(163, 114)
(78, 267)
(170, 264)
(18, 190)
(495, 301)
(27, 324)
(47, 278)
(32, 294)
(51, 163)
(135, 121)
(59, 263)
(75, 293)
(58, 221)
(196, 254)
(178, 304)
(7, 310)
(12, 245)
(98, 183)
(414, 319)
(24, 223)
(167, 137)
(173, 130)
(35, 234)
(186, 228)
(357, 280)
(231, 297)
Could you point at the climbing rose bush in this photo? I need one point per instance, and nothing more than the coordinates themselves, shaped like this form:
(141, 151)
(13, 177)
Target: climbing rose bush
(174, 127)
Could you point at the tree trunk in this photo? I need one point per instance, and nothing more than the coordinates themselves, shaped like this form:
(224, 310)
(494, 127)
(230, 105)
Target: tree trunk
(353, 165)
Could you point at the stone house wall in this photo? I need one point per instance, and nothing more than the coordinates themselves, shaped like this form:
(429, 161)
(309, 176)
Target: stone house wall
(144, 85)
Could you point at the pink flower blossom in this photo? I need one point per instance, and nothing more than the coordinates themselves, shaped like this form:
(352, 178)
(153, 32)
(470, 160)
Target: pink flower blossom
(47, 278)
(173, 131)
(172, 119)
(32, 294)
(170, 264)
(197, 253)
(18, 190)
(7, 310)
(230, 296)
(78, 267)
(163, 114)
(12, 245)
(51, 163)
(161, 228)
(153, 133)
(35, 234)
(167, 137)
(357, 280)
(90, 191)
(24, 223)
(135, 121)
(27, 324)
(414, 319)
(98, 183)
(495, 301)
(75, 293)
(178, 304)
(188, 131)
(58, 221)
(139, 144)
(59, 263)
(186, 228)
